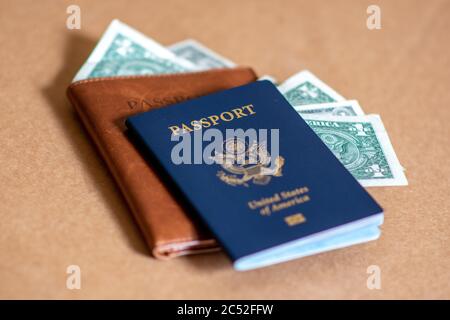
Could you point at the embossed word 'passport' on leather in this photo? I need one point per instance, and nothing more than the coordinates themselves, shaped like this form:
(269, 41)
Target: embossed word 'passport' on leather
(103, 105)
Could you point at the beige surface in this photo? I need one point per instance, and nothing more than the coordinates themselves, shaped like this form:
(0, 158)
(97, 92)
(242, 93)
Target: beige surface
(59, 205)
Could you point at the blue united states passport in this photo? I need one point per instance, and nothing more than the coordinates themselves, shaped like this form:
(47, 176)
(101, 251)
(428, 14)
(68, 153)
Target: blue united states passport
(261, 180)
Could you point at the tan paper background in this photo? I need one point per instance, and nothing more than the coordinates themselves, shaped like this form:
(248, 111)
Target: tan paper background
(59, 205)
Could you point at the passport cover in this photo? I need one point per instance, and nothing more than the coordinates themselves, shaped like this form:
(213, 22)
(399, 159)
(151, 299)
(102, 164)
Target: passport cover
(307, 204)
(103, 104)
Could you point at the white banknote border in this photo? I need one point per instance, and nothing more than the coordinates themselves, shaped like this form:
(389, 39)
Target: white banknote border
(306, 75)
(200, 47)
(109, 35)
(268, 78)
(346, 103)
(383, 138)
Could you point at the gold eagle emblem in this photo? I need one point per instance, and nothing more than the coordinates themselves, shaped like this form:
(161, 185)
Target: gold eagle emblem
(242, 163)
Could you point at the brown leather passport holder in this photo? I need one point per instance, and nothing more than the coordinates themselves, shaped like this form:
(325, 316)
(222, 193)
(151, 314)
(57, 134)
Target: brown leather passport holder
(103, 105)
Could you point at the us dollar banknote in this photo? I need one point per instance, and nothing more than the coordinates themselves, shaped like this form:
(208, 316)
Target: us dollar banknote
(123, 51)
(204, 57)
(200, 55)
(305, 88)
(343, 108)
(362, 145)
